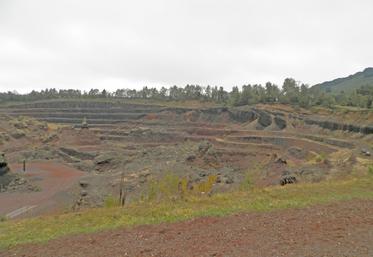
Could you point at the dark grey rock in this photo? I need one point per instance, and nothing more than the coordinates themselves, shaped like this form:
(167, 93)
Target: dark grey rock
(288, 179)
(265, 119)
(280, 122)
(83, 183)
(83, 193)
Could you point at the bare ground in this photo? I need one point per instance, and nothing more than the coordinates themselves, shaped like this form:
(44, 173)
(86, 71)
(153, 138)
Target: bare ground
(338, 229)
(53, 179)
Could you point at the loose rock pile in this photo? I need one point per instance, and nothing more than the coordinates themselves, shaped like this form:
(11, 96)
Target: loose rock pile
(10, 182)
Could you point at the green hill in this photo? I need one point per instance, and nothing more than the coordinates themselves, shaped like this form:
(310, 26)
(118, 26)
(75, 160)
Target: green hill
(349, 83)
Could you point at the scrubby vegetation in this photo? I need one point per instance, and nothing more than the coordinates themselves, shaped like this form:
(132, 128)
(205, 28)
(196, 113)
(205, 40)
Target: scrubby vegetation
(172, 188)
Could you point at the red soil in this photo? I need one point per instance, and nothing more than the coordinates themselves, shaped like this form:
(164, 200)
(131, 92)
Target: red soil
(339, 229)
(52, 178)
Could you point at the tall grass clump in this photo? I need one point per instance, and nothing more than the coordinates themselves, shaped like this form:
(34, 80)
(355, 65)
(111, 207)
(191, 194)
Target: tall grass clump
(172, 188)
(370, 170)
(110, 202)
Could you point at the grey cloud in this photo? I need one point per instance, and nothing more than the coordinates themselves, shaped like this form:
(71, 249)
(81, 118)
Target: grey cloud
(111, 44)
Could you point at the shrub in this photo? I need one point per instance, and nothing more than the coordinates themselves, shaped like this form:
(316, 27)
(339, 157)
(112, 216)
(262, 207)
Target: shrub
(205, 186)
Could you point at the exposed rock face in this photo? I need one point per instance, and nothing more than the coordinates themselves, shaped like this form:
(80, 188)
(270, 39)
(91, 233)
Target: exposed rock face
(111, 113)
(280, 122)
(77, 154)
(333, 125)
(242, 116)
(265, 119)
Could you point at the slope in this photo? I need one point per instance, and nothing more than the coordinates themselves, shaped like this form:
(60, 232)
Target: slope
(348, 84)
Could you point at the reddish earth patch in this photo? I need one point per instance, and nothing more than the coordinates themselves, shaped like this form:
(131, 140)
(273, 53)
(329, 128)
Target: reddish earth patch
(54, 181)
(339, 229)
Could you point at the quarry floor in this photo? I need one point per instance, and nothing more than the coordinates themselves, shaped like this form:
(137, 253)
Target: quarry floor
(338, 229)
(52, 178)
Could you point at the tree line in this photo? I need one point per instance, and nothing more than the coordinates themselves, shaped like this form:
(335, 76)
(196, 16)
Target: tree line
(292, 92)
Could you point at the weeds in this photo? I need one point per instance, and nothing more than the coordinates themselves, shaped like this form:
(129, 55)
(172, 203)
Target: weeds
(205, 187)
(247, 183)
(171, 187)
(110, 202)
(370, 170)
(320, 157)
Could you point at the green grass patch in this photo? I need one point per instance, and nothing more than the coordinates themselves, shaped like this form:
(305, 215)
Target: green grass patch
(42, 229)
(370, 170)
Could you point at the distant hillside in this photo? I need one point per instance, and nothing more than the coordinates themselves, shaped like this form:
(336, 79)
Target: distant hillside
(349, 83)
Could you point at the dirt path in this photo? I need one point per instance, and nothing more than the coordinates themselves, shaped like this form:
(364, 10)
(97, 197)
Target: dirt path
(52, 178)
(340, 229)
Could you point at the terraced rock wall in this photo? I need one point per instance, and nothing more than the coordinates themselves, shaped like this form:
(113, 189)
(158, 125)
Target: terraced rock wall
(106, 113)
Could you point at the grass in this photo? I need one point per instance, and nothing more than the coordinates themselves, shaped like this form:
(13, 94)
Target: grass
(370, 170)
(111, 201)
(42, 229)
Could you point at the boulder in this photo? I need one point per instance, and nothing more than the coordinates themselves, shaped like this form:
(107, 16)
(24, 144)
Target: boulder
(287, 179)
(83, 183)
(83, 193)
(365, 152)
(190, 158)
(281, 161)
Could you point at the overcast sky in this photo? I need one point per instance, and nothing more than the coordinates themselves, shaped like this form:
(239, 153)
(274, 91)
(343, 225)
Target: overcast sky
(130, 44)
